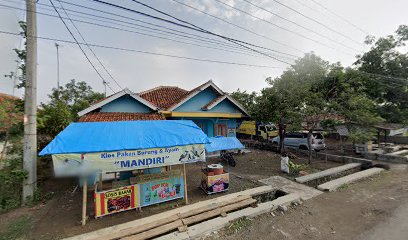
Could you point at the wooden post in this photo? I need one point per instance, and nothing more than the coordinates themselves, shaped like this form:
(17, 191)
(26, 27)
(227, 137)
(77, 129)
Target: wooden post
(100, 183)
(185, 183)
(84, 199)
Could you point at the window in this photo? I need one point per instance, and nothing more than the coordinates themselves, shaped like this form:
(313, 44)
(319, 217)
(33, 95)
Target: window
(221, 130)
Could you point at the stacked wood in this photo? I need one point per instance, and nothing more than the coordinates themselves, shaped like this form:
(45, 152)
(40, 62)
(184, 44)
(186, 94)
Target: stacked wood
(181, 221)
(135, 227)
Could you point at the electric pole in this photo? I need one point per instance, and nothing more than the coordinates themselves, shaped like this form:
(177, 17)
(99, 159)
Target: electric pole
(58, 71)
(30, 104)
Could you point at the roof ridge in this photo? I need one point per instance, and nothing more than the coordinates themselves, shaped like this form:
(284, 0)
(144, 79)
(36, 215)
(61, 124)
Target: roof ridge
(159, 87)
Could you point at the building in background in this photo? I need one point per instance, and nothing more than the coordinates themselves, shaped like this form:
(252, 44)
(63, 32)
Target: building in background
(213, 110)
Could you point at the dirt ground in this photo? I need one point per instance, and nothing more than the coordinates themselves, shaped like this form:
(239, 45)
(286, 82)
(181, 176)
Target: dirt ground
(357, 211)
(60, 216)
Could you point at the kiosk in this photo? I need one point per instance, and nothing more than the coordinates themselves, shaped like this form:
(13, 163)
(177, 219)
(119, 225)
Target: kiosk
(150, 157)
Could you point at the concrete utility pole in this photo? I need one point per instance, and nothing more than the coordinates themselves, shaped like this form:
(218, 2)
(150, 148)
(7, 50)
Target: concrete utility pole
(30, 104)
(58, 71)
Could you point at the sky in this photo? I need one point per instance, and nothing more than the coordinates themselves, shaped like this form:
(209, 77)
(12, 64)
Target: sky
(289, 33)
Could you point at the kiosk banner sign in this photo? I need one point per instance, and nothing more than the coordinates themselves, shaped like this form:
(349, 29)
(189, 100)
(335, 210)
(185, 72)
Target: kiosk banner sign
(126, 160)
(116, 200)
(161, 190)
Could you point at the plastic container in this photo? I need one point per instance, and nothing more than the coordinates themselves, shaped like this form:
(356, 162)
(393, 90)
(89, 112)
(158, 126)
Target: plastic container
(217, 169)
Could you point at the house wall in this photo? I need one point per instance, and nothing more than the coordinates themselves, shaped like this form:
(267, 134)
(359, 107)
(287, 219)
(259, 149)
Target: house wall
(225, 106)
(125, 104)
(197, 102)
(209, 123)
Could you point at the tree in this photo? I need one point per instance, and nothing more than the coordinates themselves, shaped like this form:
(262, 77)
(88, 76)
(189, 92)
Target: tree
(294, 96)
(22, 56)
(64, 105)
(245, 99)
(11, 119)
(386, 69)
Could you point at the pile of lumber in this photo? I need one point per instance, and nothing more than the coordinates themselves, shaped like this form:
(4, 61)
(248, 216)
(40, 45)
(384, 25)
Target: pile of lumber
(177, 219)
(180, 221)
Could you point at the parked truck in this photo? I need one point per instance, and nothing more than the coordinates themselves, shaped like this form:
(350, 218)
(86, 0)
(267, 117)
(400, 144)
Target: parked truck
(257, 131)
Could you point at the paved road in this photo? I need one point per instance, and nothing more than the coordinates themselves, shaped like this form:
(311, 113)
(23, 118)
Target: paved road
(394, 228)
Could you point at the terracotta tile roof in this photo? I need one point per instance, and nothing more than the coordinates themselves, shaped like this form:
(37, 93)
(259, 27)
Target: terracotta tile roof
(213, 101)
(119, 116)
(7, 96)
(164, 96)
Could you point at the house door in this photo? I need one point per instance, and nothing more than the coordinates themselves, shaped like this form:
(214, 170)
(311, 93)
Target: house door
(221, 130)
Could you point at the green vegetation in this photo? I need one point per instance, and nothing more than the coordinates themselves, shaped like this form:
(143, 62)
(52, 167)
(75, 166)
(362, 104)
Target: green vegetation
(239, 225)
(16, 229)
(311, 90)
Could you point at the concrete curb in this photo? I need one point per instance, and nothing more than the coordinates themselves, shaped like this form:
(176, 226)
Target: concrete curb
(207, 227)
(327, 172)
(335, 184)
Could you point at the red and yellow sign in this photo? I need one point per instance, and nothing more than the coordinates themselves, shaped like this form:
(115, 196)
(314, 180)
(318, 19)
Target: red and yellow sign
(116, 200)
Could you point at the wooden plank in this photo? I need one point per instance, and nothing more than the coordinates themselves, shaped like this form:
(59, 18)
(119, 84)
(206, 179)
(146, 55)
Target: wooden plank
(101, 233)
(238, 205)
(140, 228)
(217, 212)
(84, 200)
(155, 231)
(213, 206)
(201, 217)
(183, 228)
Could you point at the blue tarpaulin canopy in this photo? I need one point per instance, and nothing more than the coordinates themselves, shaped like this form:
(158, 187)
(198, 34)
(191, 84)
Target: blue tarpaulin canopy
(223, 143)
(88, 137)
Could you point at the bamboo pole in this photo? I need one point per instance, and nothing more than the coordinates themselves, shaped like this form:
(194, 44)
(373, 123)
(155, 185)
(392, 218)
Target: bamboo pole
(84, 199)
(185, 183)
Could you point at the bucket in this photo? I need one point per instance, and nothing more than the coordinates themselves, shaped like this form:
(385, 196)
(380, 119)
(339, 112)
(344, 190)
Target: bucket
(217, 169)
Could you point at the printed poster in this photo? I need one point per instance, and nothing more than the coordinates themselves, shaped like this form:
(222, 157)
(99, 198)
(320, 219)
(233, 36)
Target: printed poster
(116, 200)
(127, 160)
(162, 190)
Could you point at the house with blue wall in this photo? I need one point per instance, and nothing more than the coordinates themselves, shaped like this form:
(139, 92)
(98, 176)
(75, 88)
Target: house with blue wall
(217, 113)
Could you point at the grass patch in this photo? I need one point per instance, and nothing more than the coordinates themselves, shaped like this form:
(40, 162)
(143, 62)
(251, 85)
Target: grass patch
(344, 186)
(239, 225)
(17, 229)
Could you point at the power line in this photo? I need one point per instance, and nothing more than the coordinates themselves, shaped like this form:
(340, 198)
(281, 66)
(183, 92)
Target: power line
(90, 49)
(147, 52)
(80, 47)
(192, 27)
(280, 27)
(213, 41)
(340, 17)
(238, 26)
(149, 35)
(316, 21)
(154, 29)
(299, 25)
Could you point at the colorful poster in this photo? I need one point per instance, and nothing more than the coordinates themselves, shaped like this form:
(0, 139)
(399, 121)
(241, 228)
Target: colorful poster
(127, 160)
(162, 190)
(116, 200)
(216, 183)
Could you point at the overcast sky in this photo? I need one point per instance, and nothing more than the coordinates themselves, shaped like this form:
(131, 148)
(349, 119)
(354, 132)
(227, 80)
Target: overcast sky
(325, 34)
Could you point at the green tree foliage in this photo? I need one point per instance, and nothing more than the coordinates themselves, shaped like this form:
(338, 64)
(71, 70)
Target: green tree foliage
(64, 106)
(11, 120)
(245, 99)
(386, 65)
(22, 56)
(12, 175)
(293, 96)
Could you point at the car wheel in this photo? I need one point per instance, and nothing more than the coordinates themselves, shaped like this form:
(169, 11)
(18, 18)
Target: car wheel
(302, 147)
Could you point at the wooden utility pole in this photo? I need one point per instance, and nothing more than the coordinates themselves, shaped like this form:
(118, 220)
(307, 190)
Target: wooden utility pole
(30, 104)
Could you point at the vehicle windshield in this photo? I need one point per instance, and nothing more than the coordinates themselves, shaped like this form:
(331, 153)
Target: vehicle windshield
(317, 136)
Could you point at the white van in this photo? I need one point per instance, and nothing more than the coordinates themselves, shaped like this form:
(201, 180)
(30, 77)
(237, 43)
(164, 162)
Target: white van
(299, 140)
